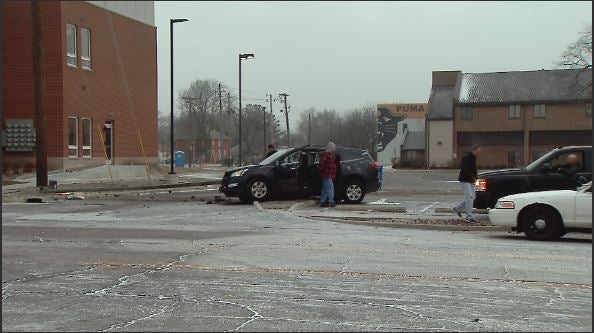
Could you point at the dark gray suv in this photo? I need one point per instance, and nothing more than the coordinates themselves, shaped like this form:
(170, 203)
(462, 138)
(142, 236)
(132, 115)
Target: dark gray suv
(294, 171)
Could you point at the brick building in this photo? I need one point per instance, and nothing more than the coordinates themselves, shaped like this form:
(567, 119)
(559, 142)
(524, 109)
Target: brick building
(99, 67)
(516, 116)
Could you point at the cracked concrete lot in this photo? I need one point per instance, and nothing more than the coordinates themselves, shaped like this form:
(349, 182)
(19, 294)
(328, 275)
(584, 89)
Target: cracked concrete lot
(117, 265)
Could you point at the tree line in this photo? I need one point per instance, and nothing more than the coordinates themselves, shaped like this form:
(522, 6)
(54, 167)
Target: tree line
(207, 112)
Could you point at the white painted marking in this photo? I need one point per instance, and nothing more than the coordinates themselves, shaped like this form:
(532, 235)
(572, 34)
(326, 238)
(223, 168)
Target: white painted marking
(426, 208)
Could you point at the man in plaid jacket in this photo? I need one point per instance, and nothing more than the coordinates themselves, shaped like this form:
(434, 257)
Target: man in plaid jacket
(327, 168)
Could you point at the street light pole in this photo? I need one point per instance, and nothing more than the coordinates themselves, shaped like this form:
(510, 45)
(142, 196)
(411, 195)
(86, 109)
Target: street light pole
(241, 56)
(171, 22)
(264, 118)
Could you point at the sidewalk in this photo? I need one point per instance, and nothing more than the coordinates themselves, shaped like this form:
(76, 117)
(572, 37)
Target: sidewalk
(394, 216)
(117, 177)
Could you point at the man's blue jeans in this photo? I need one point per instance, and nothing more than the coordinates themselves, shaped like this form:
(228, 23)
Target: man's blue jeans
(327, 194)
(469, 196)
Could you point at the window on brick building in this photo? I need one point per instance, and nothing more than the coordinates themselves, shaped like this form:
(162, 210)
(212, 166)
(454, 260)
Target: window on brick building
(588, 110)
(87, 137)
(467, 113)
(73, 137)
(540, 111)
(515, 112)
(85, 48)
(514, 159)
(71, 45)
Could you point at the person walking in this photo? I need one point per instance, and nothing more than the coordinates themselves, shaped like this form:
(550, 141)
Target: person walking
(467, 177)
(270, 151)
(327, 168)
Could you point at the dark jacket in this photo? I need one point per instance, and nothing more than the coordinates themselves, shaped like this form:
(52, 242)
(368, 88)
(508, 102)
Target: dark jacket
(571, 172)
(468, 172)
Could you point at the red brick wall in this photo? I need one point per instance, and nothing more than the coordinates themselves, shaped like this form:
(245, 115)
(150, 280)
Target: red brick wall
(121, 85)
(17, 76)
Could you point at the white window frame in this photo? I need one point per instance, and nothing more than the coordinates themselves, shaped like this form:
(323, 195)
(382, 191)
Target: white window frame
(85, 32)
(88, 148)
(515, 112)
(540, 111)
(73, 147)
(68, 54)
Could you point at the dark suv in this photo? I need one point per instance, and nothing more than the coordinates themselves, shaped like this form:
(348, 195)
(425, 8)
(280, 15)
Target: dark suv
(540, 175)
(294, 171)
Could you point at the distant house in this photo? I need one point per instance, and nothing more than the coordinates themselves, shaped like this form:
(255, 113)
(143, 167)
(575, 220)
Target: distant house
(413, 150)
(516, 116)
(100, 83)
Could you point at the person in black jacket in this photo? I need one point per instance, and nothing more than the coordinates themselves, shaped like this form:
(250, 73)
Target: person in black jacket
(467, 177)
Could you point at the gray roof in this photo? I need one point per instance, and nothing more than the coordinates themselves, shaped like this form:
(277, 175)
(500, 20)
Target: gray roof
(441, 103)
(414, 141)
(544, 86)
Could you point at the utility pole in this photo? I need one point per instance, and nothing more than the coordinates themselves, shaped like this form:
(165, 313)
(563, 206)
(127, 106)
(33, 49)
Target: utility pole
(220, 99)
(309, 129)
(271, 127)
(284, 96)
(40, 145)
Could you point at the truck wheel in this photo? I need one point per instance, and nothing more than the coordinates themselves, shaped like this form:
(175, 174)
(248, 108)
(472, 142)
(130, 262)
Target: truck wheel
(257, 190)
(353, 191)
(542, 223)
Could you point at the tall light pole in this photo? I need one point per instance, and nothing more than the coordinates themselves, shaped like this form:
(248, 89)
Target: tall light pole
(264, 130)
(241, 57)
(171, 21)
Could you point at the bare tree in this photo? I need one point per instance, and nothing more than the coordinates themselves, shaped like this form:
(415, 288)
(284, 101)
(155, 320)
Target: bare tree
(579, 53)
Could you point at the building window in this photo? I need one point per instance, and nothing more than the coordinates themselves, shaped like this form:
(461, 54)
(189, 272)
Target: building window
(515, 112)
(467, 113)
(588, 110)
(537, 154)
(85, 48)
(540, 111)
(87, 137)
(514, 159)
(72, 137)
(71, 45)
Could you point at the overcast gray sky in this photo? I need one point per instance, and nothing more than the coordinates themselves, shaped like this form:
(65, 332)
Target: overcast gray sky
(347, 54)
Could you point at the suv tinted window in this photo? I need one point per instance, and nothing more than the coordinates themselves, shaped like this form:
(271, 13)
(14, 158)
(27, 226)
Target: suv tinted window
(349, 155)
(291, 158)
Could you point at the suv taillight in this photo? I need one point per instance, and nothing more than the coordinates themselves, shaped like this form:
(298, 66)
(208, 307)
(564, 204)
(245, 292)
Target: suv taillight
(480, 185)
(374, 165)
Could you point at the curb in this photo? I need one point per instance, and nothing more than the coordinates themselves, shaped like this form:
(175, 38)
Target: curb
(449, 210)
(129, 188)
(411, 226)
(373, 208)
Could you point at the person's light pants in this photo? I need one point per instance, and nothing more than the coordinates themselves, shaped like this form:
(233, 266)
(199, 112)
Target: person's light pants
(469, 196)
(327, 194)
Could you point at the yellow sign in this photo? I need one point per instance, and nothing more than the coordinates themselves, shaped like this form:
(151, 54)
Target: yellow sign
(414, 111)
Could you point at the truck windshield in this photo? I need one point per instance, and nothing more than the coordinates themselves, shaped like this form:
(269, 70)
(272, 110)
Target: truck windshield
(539, 162)
(270, 159)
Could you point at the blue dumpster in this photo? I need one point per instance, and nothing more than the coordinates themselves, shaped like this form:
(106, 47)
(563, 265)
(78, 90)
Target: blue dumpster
(180, 159)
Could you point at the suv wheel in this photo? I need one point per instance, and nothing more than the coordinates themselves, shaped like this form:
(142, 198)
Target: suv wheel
(542, 223)
(353, 191)
(257, 190)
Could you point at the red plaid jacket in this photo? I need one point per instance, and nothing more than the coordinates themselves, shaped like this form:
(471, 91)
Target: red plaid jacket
(327, 165)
